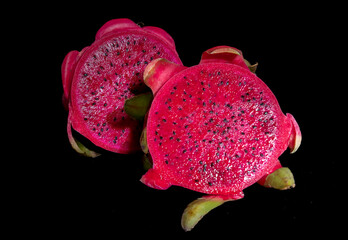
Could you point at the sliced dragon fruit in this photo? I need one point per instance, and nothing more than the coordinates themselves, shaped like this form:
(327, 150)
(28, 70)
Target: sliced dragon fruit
(99, 79)
(215, 128)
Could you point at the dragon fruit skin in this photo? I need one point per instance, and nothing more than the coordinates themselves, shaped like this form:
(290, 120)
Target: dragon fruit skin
(216, 128)
(98, 79)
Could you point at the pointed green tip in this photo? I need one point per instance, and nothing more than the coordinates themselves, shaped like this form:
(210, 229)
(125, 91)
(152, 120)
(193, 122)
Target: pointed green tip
(83, 150)
(280, 179)
(197, 209)
(78, 146)
(137, 106)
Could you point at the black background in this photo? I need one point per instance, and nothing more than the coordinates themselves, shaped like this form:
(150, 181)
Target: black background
(63, 194)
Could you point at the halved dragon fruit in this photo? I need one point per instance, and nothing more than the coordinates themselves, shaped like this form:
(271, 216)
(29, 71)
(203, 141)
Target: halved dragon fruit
(215, 128)
(98, 80)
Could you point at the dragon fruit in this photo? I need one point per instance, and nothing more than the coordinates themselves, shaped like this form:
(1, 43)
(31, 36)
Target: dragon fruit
(98, 79)
(215, 128)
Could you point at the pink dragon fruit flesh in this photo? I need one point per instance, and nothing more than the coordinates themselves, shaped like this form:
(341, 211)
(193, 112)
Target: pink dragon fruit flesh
(215, 128)
(98, 79)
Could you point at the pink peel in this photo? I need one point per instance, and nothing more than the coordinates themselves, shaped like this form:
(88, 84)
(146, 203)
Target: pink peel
(67, 70)
(114, 25)
(160, 33)
(158, 72)
(224, 54)
(154, 180)
(295, 136)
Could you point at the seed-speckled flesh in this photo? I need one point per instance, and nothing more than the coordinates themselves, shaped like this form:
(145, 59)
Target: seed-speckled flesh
(108, 73)
(215, 128)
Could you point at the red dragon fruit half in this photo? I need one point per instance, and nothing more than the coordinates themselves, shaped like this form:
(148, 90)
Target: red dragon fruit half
(98, 79)
(215, 128)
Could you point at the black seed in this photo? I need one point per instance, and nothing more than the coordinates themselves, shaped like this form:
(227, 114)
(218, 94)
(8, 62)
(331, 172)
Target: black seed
(105, 104)
(85, 74)
(164, 120)
(210, 184)
(166, 161)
